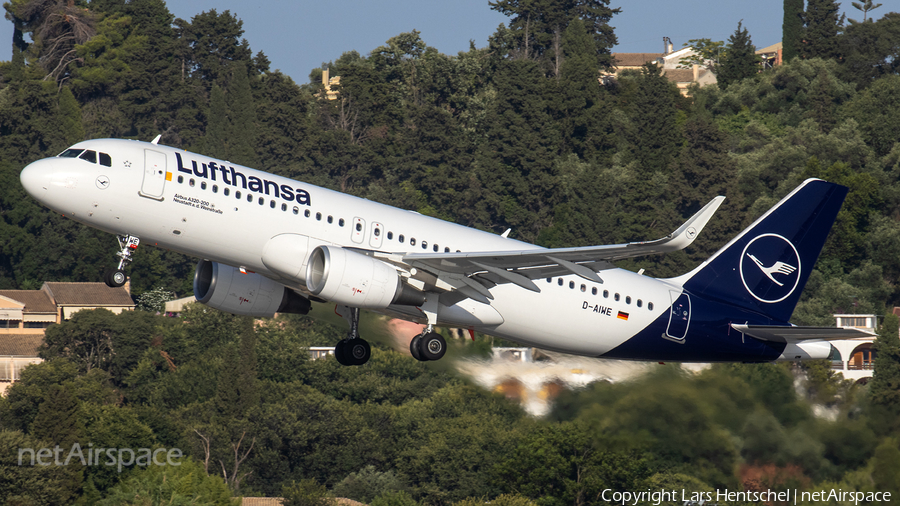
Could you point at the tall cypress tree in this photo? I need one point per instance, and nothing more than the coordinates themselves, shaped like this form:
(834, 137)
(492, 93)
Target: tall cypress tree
(821, 26)
(740, 60)
(582, 107)
(215, 144)
(792, 29)
(241, 123)
(884, 389)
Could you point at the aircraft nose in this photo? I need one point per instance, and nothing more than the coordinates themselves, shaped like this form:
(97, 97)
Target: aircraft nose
(36, 176)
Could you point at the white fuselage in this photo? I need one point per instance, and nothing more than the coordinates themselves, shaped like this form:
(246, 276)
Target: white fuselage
(177, 200)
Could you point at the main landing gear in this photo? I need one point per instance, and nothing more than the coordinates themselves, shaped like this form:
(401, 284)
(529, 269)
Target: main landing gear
(428, 345)
(115, 278)
(353, 350)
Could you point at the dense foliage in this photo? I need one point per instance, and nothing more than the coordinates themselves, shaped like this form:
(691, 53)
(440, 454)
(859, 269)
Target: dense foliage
(520, 134)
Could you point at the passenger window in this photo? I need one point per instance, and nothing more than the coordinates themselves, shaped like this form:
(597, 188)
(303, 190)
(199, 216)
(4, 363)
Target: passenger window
(400, 238)
(377, 232)
(249, 198)
(435, 248)
(628, 300)
(341, 222)
(359, 227)
(560, 281)
(594, 291)
(390, 235)
(330, 219)
(180, 179)
(89, 156)
(272, 204)
(549, 280)
(424, 244)
(605, 294)
(412, 241)
(319, 216)
(191, 182)
(105, 160)
(572, 285)
(616, 297)
(262, 201)
(306, 213)
(215, 188)
(650, 306)
(237, 194)
(640, 303)
(583, 288)
(296, 210)
(284, 207)
(202, 185)
(446, 249)
(226, 192)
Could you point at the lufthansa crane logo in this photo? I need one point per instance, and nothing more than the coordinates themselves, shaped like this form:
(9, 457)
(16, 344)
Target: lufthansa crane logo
(770, 268)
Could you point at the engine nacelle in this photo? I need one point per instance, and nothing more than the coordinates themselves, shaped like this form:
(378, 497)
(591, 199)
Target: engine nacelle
(357, 280)
(228, 289)
(806, 350)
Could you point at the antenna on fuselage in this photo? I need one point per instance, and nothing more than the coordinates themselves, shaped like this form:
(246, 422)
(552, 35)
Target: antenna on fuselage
(156, 139)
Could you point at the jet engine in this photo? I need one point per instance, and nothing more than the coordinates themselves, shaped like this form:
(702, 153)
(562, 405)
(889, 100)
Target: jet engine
(357, 280)
(249, 294)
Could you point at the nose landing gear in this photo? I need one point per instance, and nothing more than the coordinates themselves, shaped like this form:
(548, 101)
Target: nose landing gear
(115, 278)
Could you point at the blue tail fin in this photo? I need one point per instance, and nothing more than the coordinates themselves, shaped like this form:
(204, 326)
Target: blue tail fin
(765, 268)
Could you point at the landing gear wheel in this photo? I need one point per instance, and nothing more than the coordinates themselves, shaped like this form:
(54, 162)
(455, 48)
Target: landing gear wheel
(432, 346)
(340, 352)
(357, 351)
(415, 348)
(115, 278)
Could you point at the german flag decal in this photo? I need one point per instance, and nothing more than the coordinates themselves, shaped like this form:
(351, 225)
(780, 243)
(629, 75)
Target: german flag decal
(622, 316)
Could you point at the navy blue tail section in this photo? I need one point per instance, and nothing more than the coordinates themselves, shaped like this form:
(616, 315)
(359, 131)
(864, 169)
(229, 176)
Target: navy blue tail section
(765, 268)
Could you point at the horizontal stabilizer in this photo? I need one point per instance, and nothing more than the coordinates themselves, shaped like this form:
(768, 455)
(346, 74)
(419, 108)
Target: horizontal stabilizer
(778, 334)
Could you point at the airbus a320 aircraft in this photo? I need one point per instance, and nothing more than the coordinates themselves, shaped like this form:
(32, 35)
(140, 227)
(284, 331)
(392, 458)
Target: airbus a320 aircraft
(271, 244)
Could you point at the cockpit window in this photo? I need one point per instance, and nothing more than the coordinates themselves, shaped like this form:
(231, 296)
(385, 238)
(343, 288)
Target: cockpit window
(105, 160)
(90, 156)
(71, 153)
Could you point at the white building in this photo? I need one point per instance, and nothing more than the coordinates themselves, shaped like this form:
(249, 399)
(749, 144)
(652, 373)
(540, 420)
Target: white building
(854, 358)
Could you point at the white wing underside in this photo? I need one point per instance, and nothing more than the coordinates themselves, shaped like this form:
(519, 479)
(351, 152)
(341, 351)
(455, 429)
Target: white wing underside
(778, 334)
(472, 273)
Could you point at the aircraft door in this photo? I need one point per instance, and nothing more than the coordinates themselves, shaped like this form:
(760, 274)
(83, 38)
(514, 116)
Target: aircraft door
(377, 235)
(154, 174)
(679, 316)
(358, 230)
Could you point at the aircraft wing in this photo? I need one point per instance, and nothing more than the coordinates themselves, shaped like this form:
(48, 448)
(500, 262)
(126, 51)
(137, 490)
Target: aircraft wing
(797, 334)
(472, 273)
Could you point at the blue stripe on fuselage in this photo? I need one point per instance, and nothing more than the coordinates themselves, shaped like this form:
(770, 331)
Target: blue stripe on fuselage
(710, 338)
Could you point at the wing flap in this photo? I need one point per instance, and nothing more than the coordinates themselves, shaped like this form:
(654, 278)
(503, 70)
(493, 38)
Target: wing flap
(783, 334)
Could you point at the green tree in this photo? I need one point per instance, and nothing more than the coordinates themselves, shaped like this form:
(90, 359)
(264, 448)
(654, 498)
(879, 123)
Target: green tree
(369, 483)
(307, 492)
(537, 26)
(884, 389)
(870, 50)
(98, 338)
(24, 483)
(170, 485)
(865, 7)
(792, 29)
(740, 61)
(821, 28)
(241, 125)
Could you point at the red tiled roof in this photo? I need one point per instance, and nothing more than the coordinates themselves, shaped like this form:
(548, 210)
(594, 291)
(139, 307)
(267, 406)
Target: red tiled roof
(634, 59)
(88, 294)
(36, 301)
(20, 345)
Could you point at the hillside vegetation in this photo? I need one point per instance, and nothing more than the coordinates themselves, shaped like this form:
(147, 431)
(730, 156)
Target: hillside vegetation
(520, 134)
